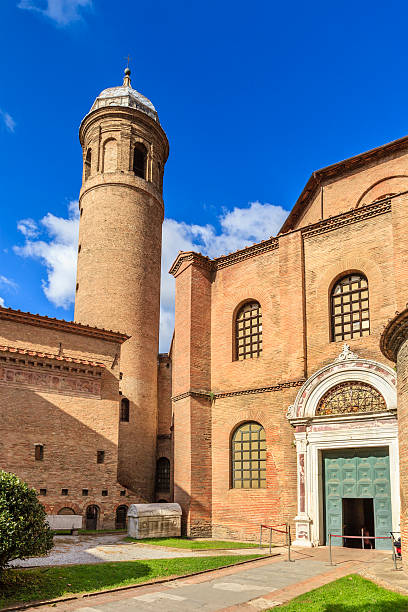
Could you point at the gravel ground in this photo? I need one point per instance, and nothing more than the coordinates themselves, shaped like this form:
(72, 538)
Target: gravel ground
(69, 550)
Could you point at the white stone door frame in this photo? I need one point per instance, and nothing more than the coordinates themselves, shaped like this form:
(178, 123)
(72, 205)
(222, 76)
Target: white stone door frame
(377, 433)
(315, 434)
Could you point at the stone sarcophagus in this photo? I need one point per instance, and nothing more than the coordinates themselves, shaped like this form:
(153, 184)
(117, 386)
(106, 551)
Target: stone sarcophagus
(154, 521)
(69, 522)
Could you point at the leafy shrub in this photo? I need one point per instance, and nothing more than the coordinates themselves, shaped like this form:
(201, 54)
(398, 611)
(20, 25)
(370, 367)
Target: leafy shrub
(24, 531)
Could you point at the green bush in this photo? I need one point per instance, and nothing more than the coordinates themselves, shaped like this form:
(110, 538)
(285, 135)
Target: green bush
(24, 531)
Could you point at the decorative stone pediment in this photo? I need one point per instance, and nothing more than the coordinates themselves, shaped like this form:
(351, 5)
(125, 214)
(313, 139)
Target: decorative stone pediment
(347, 367)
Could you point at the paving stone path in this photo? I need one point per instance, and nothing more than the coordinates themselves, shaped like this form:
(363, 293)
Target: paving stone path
(259, 585)
(69, 550)
(256, 586)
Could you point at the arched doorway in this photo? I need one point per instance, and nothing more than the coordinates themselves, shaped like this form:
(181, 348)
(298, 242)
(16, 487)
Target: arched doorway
(121, 514)
(66, 511)
(346, 436)
(92, 516)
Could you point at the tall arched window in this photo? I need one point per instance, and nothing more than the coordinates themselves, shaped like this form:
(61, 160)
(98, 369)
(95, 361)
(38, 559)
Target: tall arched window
(248, 331)
(88, 160)
(139, 160)
(163, 475)
(248, 457)
(350, 316)
(124, 410)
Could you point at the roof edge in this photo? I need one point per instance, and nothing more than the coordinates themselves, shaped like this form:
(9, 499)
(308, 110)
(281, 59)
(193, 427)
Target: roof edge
(193, 256)
(66, 326)
(337, 169)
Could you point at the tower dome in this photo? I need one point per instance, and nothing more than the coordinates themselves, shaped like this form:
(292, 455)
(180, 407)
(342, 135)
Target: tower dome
(125, 95)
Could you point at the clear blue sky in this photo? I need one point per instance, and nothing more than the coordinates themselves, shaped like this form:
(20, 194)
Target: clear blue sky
(253, 97)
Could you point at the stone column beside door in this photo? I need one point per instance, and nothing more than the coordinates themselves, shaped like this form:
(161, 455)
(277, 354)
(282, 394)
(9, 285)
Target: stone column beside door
(394, 345)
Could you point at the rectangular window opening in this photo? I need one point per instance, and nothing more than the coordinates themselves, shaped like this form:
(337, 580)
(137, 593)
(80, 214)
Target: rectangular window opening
(39, 452)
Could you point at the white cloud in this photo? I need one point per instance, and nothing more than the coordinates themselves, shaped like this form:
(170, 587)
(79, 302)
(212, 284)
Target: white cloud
(2, 302)
(62, 12)
(57, 251)
(8, 121)
(54, 242)
(7, 283)
(28, 228)
(240, 227)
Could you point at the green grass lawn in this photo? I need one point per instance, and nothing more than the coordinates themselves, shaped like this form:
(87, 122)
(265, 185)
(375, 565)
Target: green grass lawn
(350, 594)
(23, 585)
(193, 544)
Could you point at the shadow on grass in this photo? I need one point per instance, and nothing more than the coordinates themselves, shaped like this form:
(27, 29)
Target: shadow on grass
(52, 582)
(28, 585)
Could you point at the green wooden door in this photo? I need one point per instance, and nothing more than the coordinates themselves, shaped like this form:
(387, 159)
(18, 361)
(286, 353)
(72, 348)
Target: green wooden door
(358, 473)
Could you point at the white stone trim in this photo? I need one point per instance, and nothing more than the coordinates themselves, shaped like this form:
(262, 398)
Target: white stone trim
(380, 376)
(314, 435)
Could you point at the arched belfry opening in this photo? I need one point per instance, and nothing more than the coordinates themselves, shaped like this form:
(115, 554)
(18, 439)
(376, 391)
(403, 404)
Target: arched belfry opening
(139, 160)
(88, 160)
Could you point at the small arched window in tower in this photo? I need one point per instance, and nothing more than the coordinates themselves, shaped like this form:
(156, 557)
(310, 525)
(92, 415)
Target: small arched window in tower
(248, 456)
(110, 155)
(248, 331)
(139, 160)
(88, 160)
(350, 315)
(124, 410)
(163, 475)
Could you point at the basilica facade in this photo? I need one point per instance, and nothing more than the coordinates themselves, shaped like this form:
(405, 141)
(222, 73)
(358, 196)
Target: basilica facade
(279, 400)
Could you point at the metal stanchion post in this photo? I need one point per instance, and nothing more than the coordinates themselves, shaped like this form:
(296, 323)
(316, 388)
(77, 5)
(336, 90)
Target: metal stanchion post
(394, 553)
(270, 541)
(330, 549)
(260, 538)
(287, 531)
(362, 537)
(289, 544)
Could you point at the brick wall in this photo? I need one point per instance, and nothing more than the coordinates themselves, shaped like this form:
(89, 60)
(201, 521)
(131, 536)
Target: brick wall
(402, 373)
(165, 418)
(72, 426)
(118, 274)
(291, 278)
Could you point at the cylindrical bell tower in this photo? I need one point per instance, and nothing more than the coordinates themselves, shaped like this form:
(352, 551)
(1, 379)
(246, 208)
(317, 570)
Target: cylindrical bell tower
(118, 274)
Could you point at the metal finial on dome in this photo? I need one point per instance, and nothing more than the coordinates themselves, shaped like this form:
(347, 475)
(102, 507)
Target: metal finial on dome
(126, 80)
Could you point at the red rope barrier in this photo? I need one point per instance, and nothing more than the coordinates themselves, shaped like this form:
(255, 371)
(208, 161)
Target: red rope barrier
(273, 528)
(333, 535)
